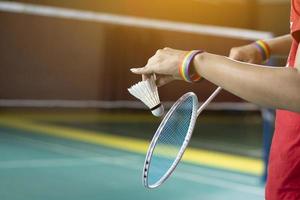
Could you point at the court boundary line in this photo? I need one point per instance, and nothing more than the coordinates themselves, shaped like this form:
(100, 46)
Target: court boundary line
(192, 155)
(85, 15)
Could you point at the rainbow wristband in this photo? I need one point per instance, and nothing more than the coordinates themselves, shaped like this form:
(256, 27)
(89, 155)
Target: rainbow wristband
(184, 67)
(264, 49)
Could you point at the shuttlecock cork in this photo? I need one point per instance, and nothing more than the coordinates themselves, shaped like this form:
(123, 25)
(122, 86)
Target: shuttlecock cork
(147, 92)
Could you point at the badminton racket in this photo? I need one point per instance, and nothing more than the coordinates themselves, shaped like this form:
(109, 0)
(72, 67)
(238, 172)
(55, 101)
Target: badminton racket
(171, 138)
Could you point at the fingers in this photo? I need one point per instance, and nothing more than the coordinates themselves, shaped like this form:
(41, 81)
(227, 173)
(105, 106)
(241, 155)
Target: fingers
(163, 80)
(239, 56)
(146, 70)
(143, 70)
(248, 53)
(254, 61)
(145, 76)
(235, 55)
(164, 63)
(167, 49)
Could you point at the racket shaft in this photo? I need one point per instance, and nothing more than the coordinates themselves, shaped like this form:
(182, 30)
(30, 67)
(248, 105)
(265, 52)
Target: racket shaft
(210, 98)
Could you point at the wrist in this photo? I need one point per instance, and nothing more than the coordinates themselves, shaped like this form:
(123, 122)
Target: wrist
(263, 49)
(198, 62)
(186, 67)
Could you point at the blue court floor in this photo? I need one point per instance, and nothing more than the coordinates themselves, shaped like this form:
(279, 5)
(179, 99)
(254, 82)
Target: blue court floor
(35, 164)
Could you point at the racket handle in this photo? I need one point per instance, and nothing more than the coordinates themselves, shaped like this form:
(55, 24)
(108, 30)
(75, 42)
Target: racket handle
(210, 98)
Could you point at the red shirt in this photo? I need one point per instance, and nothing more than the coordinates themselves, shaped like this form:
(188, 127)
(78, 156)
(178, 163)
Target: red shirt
(284, 165)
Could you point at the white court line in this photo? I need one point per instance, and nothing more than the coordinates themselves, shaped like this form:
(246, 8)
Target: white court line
(101, 17)
(130, 162)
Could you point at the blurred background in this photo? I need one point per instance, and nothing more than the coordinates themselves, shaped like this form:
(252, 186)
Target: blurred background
(70, 129)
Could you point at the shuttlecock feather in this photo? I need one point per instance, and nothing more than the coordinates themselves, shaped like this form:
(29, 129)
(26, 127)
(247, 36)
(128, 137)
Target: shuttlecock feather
(147, 92)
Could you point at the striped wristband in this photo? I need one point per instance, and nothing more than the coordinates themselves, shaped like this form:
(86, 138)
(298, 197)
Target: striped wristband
(264, 50)
(184, 67)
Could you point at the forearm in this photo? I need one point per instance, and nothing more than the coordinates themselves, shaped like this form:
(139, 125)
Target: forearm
(280, 45)
(266, 86)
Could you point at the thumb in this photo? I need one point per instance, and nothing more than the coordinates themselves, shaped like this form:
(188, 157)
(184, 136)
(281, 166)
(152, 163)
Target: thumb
(142, 70)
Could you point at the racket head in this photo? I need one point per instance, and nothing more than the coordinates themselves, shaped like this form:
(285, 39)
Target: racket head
(170, 141)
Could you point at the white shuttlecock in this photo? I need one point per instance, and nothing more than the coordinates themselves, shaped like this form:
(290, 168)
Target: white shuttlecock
(147, 92)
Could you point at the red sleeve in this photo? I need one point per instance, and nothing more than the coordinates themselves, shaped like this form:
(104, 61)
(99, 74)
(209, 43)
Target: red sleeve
(295, 20)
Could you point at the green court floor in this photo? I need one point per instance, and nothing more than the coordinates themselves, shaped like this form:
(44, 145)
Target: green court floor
(39, 160)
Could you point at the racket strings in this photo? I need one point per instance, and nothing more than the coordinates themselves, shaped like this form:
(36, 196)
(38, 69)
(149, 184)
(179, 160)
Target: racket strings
(170, 141)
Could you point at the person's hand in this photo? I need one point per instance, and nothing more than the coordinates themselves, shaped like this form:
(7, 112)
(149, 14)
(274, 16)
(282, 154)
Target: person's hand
(164, 64)
(248, 53)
